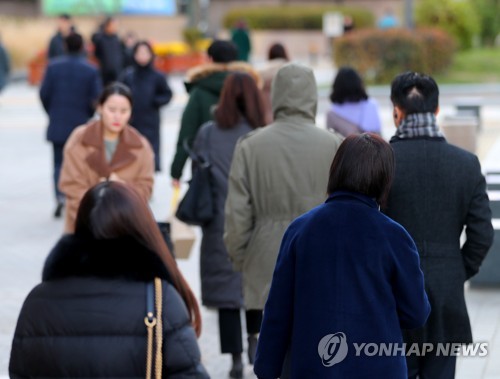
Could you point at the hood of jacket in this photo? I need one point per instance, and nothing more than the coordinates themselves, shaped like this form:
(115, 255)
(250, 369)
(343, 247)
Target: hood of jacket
(211, 76)
(294, 92)
(82, 256)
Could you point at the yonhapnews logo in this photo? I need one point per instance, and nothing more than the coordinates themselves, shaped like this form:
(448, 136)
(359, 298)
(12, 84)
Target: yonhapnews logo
(332, 349)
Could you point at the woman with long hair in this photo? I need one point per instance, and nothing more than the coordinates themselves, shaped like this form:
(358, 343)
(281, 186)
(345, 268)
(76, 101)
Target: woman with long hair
(86, 318)
(351, 111)
(346, 274)
(106, 149)
(150, 92)
(239, 111)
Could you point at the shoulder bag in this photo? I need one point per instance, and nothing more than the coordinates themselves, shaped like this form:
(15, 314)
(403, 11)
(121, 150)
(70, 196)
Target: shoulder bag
(197, 207)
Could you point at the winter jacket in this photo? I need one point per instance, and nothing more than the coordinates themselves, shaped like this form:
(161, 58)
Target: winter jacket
(56, 46)
(109, 51)
(204, 86)
(438, 190)
(84, 165)
(150, 91)
(343, 267)
(278, 173)
(69, 93)
(220, 284)
(86, 318)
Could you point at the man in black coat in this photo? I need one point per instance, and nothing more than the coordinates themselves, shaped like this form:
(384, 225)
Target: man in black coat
(109, 51)
(69, 91)
(64, 28)
(438, 190)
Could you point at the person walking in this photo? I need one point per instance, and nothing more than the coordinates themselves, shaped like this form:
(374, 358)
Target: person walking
(150, 91)
(204, 86)
(241, 38)
(69, 92)
(57, 46)
(278, 173)
(361, 286)
(109, 51)
(106, 149)
(4, 66)
(438, 191)
(90, 308)
(277, 58)
(239, 111)
(351, 111)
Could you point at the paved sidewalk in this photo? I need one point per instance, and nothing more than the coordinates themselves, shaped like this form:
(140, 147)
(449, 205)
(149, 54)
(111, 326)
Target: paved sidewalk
(28, 231)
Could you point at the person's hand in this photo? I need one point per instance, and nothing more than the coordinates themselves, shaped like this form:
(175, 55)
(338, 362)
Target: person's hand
(115, 178)
(176, 183)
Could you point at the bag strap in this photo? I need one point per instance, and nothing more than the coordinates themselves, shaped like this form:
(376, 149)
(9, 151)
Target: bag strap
(199, 158)
(154, 299)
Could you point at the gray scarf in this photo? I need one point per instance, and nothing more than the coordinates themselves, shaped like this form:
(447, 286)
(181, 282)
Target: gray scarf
(418, 125)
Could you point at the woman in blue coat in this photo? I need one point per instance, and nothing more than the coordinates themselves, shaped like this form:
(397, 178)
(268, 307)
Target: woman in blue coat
(346, 275)
(87, 317)
(150, 91)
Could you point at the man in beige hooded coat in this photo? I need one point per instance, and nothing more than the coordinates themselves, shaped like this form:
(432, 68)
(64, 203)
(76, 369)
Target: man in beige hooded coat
(278, 173)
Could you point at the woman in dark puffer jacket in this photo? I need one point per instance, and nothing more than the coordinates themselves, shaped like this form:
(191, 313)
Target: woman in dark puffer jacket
(86, 318)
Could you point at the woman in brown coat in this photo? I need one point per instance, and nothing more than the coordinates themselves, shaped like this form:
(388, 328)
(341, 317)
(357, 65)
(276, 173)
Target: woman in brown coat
(107, 149)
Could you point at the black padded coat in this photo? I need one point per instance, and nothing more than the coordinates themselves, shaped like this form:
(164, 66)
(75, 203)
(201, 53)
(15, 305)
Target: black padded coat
(86, 318)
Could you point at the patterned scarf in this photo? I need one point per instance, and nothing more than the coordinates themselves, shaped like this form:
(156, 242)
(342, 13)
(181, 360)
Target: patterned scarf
(418, 125)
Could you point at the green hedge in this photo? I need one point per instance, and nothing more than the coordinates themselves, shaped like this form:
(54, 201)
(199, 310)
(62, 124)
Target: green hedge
(458, 18)
(379, 55)
(294, 17)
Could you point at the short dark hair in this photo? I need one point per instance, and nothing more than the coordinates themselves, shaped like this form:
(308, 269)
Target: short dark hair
(348, 87)
(276, 51)
(74, 43)
(65, 16)
(222, 51)
(415, 93)
(115, 88)
(363, 163)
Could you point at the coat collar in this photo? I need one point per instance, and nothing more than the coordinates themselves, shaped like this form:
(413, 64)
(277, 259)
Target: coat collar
(78, 256)
(93, 136)
(200, 72)
(353, 196)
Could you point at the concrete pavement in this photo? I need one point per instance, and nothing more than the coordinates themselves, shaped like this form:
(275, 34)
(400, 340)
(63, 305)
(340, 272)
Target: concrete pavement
(28, 231)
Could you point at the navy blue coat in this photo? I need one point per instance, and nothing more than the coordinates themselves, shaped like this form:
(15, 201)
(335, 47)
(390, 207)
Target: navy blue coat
(86, 318)
(150, 91)
(342, 267)
(69, 92)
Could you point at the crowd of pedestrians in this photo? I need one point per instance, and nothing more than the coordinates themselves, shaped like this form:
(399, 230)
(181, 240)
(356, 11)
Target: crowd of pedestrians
(314, 231)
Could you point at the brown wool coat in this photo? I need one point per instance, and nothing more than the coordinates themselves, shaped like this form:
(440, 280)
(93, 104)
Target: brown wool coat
(84, 165)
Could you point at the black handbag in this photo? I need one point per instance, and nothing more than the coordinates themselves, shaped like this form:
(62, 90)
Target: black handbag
(197, 207)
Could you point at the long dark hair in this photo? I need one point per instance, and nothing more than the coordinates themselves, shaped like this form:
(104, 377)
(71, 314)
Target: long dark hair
(114, 210)
(240, 98)
(363, 163)
(348, 87)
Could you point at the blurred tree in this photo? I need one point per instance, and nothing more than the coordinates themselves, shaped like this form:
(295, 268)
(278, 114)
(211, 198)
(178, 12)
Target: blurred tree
(489, 14)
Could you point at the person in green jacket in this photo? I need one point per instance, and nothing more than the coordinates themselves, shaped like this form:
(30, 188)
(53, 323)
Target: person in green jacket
(241, 38)
(204, 86)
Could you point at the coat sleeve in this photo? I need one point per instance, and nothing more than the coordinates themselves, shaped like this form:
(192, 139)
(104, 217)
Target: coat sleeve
(73, 181)
(94, 92)
(276, 330)
(144, 181)
(190, 123)
(163, 93)
(46, 89)
(239, 211)
(479, 230)
(408, 282)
